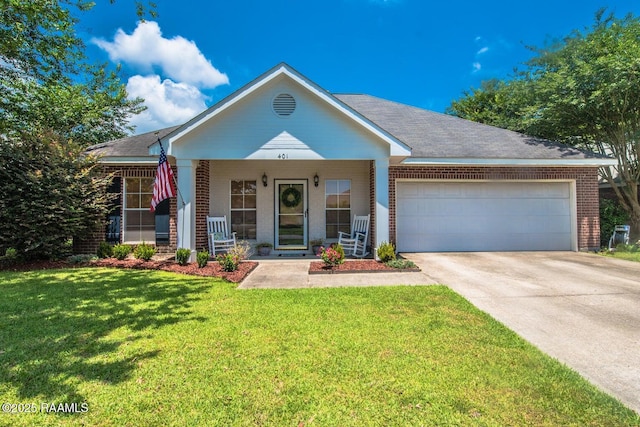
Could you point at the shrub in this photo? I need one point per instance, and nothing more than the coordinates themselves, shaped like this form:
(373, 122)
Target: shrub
(50, 191)
(401, 263)
(333, 255)
(80, 259)
(202, 258)
(183, 255)
(242, 250)
(228, 261)
(121, 251)
(9, 258)
(621, 247)
(105, 250)
(144, 251)
(386, 252)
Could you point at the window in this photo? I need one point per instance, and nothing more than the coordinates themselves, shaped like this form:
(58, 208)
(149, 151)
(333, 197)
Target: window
(243, 209)
(338, 206)
(139, 221)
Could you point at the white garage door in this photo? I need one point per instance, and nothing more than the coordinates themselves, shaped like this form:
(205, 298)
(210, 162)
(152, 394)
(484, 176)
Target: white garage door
(483, 216)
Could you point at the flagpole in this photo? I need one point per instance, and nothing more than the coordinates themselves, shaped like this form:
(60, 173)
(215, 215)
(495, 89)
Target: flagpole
(173, 176)
(175, 182)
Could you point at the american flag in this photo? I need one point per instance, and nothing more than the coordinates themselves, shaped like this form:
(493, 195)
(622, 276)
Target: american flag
(163, 187)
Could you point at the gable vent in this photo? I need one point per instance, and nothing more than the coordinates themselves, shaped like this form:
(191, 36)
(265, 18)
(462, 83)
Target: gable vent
(284, 105)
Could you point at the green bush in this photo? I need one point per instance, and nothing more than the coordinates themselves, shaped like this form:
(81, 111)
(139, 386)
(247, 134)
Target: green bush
(50, 191)
(202, 258)
(9, 258)
(121, 251)
(105, 250)
(386, 252)
(144, 251)
(621, 247)
(401, 263)
(183, 255)
(80, 259)
(228, 261)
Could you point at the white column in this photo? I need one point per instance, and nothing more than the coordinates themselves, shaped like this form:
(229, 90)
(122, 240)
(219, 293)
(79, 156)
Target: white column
(187, 205)
(382, 200)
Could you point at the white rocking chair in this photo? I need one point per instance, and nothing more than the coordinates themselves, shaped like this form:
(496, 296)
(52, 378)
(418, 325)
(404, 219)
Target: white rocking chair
(220, 239)
(356, 243)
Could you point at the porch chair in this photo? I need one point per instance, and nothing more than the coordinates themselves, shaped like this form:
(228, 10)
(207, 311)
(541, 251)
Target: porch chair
(356, 243)
(218, 235)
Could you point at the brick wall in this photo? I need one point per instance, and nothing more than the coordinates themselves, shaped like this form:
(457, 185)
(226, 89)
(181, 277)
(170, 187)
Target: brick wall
(89, 244)
(586, 190)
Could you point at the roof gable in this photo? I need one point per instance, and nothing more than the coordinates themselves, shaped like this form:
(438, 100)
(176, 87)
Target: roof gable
(283, 71)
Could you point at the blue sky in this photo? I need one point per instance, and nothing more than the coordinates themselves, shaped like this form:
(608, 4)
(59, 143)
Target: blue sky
(417, 52)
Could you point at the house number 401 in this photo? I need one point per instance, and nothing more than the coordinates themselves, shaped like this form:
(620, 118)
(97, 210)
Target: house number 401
(283, 156)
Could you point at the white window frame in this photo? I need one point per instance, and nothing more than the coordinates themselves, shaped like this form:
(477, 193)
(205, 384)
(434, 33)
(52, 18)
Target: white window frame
(125, 210)
(243, 209)
(326, 194)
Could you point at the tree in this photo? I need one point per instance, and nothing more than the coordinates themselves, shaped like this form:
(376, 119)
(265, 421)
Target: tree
(53, 104)
(583, 91)
(49, 192)
(47, 85)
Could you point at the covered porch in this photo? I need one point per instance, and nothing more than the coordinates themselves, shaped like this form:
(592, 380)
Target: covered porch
(323, 196)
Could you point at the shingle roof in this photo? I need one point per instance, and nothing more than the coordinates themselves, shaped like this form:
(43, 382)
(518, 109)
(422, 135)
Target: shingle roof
(434, 135)
(132, 146)
(431, 135)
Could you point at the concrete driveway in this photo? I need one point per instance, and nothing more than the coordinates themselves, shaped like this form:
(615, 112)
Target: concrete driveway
(582, 309)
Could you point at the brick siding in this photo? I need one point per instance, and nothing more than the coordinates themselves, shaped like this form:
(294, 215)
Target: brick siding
(89, 244)
(588, 217)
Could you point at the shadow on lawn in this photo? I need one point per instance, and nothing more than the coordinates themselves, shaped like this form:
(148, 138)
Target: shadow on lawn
(55, 324)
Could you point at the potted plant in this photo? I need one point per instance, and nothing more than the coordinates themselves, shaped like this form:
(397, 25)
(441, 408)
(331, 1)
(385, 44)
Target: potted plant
(264, 248)
(316, 244)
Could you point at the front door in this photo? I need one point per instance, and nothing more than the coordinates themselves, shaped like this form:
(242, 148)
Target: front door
(291, 214)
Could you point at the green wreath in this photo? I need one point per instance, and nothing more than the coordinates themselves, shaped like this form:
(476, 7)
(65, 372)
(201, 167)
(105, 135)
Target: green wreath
(290, 197)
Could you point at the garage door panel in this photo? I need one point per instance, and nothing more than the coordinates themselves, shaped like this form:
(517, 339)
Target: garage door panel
(483, 216)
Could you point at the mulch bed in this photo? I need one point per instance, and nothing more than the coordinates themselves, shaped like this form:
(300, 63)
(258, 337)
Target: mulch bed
(212, 269)
(360, 266)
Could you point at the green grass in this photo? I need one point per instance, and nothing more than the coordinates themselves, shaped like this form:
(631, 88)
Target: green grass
(629, 256)
(153, 348)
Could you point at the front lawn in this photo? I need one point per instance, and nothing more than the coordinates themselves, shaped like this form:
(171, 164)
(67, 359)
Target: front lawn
(147, 348)
(629, 256)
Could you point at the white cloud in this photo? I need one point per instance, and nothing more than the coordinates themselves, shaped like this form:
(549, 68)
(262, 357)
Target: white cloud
(171, 74)
(178, 58)
(476, 67)
(168, 103)
(482, 50)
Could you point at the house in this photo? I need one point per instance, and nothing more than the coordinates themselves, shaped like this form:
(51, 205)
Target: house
(286, 162)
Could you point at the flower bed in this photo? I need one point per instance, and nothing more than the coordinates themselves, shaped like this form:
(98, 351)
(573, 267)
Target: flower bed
(212, 269)
(359, 266)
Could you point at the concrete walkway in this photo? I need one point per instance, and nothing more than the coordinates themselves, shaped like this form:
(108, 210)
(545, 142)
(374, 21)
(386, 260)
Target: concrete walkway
(291, 274)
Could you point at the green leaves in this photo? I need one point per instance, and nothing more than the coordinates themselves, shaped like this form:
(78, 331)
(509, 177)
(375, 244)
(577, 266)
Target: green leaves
(49, 193)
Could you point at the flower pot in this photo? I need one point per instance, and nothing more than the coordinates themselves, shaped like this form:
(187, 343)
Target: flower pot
(316, 249)
(264, 251)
